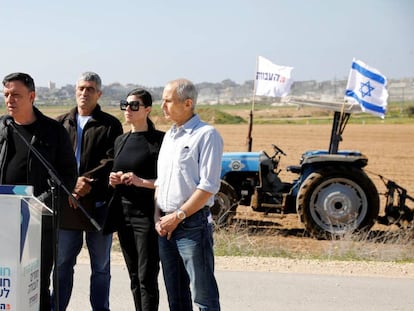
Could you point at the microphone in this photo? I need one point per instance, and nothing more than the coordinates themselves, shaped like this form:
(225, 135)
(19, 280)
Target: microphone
(5, 123)
(8, 120)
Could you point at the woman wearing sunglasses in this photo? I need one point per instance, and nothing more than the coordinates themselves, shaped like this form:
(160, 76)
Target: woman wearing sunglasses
(132, 208)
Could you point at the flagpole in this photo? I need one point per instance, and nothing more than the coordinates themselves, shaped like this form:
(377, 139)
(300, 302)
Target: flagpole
(271, 80)
(249, 140)
(341, 116)
(249, 135)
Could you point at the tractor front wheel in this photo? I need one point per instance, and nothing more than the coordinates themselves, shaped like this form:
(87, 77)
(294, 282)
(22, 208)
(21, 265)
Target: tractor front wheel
(225, 204)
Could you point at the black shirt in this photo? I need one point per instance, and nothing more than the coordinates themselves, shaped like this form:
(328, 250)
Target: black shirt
(139, 155)
(16, 171)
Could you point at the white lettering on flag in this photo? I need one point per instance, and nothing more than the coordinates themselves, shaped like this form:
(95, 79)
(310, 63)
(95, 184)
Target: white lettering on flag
(272, 80)
(367, 87)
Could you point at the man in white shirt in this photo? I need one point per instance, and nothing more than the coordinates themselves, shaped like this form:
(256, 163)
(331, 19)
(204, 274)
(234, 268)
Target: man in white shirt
(189, 166)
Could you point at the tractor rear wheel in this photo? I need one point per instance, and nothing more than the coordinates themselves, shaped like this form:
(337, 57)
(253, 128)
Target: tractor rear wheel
(333, 201)
(225, 204)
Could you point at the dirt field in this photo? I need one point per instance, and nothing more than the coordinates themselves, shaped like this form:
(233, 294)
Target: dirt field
(389, 148)
(390, 152)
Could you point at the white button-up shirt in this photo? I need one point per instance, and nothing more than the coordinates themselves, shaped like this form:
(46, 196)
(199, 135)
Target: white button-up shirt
(189, 159)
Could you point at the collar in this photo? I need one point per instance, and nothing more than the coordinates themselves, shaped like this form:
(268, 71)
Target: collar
(188, 126)
(74, 111)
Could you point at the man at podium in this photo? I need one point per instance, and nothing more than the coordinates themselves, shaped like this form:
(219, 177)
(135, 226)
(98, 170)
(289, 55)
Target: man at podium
(19, 166)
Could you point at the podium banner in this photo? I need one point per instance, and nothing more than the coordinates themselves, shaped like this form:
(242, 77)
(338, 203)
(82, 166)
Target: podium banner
(20, 236)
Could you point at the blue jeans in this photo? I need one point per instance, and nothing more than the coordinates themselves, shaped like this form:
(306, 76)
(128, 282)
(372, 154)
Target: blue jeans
(188, 261)
(69, 247)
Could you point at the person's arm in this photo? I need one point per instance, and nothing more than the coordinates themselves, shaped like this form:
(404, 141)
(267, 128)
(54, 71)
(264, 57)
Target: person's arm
(195, 203)
(130, 179)
(82, 188)
(209, 163)
(100, 174)
(157, 217)
(96, 180)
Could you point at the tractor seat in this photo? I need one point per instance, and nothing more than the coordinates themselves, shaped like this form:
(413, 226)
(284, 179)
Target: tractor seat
(294, 169)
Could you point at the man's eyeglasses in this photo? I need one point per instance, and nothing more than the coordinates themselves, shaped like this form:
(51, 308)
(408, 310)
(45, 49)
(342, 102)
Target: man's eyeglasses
(134, 105)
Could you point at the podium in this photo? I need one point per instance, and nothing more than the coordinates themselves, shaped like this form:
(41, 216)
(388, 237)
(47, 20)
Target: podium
(20, 236)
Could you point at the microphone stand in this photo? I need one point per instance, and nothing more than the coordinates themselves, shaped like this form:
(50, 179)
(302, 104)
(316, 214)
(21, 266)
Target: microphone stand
(54, 181)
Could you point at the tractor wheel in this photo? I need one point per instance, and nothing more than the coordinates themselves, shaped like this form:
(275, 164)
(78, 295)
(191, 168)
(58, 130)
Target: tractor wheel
(336, 200)
(225, 204)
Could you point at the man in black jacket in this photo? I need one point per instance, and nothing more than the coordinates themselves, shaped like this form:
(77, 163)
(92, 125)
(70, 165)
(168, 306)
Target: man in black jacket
(92, 133)
(19, 166)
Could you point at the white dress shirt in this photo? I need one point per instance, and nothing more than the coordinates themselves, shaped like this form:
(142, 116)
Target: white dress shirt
(189, 159)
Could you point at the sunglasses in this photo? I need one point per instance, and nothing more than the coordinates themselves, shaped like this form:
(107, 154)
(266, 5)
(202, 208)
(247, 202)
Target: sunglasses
(134, 105)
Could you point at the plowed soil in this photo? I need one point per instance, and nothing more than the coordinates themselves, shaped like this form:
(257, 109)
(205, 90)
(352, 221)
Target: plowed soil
(390, 152)
(389, 147)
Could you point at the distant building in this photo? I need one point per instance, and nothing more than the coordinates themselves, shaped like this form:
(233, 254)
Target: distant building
(228, 92)
(52, 85)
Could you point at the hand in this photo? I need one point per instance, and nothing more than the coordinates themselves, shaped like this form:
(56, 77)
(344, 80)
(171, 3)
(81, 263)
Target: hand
(115, 178)
(127, 178)
(167, 225)
(72, 202)
(83, 186)
(161, 231)
(130, 179)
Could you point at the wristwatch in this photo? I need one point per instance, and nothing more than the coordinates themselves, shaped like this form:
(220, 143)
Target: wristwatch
(181, 214)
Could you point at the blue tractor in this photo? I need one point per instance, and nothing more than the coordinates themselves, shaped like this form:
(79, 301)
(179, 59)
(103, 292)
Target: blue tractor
(332, 193)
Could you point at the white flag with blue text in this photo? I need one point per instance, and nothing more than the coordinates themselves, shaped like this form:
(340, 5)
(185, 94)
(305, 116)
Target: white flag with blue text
(272, 80)
(367, 87)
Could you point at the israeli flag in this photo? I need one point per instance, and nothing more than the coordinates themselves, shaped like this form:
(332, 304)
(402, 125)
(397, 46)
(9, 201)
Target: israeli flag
(367, 87)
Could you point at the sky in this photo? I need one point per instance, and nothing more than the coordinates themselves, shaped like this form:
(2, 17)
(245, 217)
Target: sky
(152, 42)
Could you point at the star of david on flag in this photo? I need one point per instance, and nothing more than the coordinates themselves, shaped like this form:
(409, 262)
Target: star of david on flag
(367, 87)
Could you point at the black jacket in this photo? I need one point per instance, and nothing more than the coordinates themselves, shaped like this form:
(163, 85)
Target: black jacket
(52, 141)
(96, 162)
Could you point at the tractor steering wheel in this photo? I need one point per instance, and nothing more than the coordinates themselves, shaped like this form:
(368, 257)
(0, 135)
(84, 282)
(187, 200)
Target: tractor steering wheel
(278, 150)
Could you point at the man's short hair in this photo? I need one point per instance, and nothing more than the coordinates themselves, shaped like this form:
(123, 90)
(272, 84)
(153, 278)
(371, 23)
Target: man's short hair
(186, 90)
(26, 79)
(93, 77)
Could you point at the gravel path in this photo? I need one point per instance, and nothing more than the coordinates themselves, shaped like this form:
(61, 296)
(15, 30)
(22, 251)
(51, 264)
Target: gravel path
(379, 269)
(285, 265)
